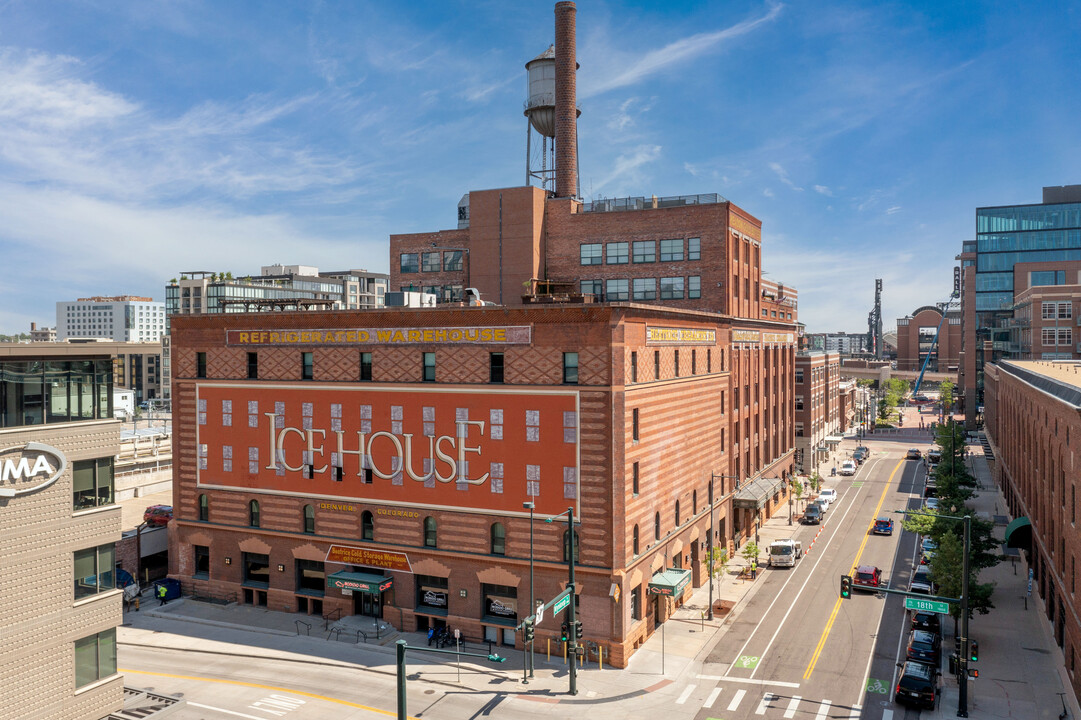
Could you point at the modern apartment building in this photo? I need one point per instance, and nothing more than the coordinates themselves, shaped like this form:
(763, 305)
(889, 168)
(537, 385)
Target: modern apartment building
(123, 318)
(924, 336)
(839, 342)
(60, 525)
(1033, 421)
(1049, 232)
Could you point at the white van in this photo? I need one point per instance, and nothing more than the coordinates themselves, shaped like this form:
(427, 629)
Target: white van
(785, 552)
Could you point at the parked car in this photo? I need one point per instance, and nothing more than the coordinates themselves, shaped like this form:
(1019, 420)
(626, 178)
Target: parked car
(858, 456)
(931, 503)
(921, 582)
(931, 622)
(928, 544)
(827, 496)
(812, 515)
(914, 454)
(867, 577)
(848, 467)
(934, 457)
(883, 525)
(924, 646)
(917, 685)
(926, 557)
(823, 506)
(158, 515)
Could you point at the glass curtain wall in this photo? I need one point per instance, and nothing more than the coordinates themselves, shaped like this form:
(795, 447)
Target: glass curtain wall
(35, 392)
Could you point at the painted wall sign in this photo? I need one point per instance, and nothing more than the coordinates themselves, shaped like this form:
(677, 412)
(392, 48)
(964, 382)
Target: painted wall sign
(349, 555)
(680, 336)
(778, 337)
(32, 467)
(415, 449)
(753, 336)
(746, 336)
(511, 335)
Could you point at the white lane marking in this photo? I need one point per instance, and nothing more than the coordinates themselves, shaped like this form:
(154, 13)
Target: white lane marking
(736, 700)
(824, 708)
(766, 700)
(685, 694)
(792, 705)
(222, 710)
(712, 698)
(887, 714)
(749, 681)
(854, 714)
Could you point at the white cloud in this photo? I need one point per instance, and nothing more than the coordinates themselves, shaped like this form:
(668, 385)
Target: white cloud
(823, 190)
(767, 192)
(782, 175)
(625, 174)
(894, 209)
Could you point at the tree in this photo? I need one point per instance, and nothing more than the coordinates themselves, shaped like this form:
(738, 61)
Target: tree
(945, 391)
(946, 570)
(797, 489)
(720, 562)
(815, 481)
(750, 552)
(921, 523)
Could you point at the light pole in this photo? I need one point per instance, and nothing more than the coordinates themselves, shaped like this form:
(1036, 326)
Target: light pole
(709, 539)
(532, 594)
(572, 628)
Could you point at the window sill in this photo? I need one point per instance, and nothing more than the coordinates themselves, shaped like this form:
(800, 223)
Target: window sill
(115, 677)
(80, 512)
(97, 597)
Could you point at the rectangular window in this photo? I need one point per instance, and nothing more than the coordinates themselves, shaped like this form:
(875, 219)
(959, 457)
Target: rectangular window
(672, 288)
(656, 364)
(200, 364)
(429, 262)
(645, 251)
(634, 424)
(253, 366)
(95, 570)
(675, 357)
(409, 263)
(671, 250)
(709, 361)
(694, 248)
(366, 366)
(799, 376)
(95, 657)
(92, 483)
(495, 367)
(634, 478)
(429, 367)
(593, 287)
(201, 553)
(645, 288)
(636, 603)
(452, 261)
(634, 367)
(590, 253)
(694, 287)
(616, 291)
(617, 253)
(311, 577)
(1065, 310)
(694, 362)
(1047, 310)
(307, 366)
(570, 368)
(256, 569)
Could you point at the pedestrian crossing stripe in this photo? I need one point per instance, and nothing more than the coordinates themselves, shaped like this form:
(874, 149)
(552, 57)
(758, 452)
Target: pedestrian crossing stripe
(773, 701)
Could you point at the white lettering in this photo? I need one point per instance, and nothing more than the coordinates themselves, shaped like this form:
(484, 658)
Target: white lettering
(371, 456)
(448, 459)
(312, 449)
(281, 448)
(463, 434)
(14, 472)
(409, 457)
(359, 452)
(272, 454)
(41, 465)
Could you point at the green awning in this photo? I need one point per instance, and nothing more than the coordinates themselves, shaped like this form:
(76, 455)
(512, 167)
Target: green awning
(669, 582)
(359, 582)
(1019, 533)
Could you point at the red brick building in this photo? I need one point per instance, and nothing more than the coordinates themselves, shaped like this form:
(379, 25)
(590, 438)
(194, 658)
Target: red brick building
(388, 453)
(916, 336)
(817, 408)
(1033, 420)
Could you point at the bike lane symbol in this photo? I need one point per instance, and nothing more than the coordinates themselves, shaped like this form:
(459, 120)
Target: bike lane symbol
(747, 661)
(874, 685)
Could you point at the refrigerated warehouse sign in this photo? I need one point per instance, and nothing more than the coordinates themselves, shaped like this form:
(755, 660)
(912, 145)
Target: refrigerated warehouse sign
(433, 448)
(754, 336)
(513, 335)
(680, 336)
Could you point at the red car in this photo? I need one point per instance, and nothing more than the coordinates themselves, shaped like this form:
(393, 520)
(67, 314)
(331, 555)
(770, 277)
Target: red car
(158, 515)
(867, 577)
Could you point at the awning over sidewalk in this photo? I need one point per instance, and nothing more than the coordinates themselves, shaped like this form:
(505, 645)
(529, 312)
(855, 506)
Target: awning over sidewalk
(755, 494)
(834, 439)
(669, 582)
(359, 582)
(1019, 533)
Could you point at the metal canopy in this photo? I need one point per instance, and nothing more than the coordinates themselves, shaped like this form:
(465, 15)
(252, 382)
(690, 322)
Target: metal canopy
(359, 582)
(669, 582)
(755, 494)
(1019, 533)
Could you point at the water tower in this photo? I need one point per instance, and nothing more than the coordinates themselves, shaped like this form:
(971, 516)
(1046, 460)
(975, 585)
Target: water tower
(552, 111)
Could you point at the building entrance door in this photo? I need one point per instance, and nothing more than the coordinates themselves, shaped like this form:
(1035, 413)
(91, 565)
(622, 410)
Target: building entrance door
(368, 604)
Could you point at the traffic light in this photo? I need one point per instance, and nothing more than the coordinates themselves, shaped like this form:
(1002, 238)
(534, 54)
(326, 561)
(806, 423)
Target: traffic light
(973, 650)
(528, 630)
(577, 629)
(973, 673)
(846, 586)
(563, 632)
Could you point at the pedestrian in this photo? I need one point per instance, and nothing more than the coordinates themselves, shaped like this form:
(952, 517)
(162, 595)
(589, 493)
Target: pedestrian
(162, 592)
(754, 569)
(431, 634)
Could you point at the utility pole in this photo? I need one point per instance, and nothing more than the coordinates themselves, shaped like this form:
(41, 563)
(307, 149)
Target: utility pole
(571, 614)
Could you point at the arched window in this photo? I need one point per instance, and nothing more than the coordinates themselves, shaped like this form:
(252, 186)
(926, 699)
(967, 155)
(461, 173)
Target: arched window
(309, 519)
(677, 513)
(657, 526)
(204, 508)
(634, 540)
(253, 513)
(499, 539)
(567, 548)
(367, 525)
(429, 531)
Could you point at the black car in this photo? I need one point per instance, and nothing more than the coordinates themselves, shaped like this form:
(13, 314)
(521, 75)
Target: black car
(921, 582)
(925, 647)
(812, 515)
(859, 456)
(930, 622)
(917, 685)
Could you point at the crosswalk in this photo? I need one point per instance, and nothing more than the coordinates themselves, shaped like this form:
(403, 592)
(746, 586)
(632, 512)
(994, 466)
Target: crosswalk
(771, 704)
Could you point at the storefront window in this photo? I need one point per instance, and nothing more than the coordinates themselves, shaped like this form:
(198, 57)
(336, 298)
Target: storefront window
(257, 569)
(311, 577)
(500, 603)
(432, 595)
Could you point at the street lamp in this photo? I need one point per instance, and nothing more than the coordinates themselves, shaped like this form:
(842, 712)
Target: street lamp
(709, 536)
(572, 626)
(532, 594)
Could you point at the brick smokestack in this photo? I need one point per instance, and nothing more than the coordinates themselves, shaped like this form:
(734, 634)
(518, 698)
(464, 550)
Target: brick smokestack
(566, 109)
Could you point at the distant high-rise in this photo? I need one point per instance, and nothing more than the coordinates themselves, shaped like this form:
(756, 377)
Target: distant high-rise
(124, 318)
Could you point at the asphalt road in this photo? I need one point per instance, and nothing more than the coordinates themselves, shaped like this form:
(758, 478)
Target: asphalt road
(798, 650)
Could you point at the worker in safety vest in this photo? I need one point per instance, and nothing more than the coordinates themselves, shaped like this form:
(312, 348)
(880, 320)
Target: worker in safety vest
(162, 592)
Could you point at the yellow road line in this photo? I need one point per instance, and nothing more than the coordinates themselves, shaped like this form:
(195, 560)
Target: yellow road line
(272, 688)
(855, 564)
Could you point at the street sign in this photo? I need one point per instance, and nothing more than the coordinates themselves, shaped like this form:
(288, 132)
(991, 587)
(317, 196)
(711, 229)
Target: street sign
(562, 603)
(922, 605)
(540, 612)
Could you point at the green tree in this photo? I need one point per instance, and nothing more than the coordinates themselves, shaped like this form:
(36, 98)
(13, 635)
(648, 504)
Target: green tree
(946, 391)
(815, 481)
(947, 569)
(797, 490)
(720, 563)
(750, 552)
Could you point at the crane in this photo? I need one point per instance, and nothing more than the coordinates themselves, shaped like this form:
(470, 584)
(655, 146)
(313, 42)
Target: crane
(953, 299)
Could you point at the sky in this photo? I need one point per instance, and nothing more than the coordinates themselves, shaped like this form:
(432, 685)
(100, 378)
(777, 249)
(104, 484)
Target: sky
(142, 139)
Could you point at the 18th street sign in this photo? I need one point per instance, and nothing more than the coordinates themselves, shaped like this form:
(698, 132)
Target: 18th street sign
(921, 605)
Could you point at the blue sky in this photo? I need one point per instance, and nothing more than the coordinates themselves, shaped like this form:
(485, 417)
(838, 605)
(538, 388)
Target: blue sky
(142, 139)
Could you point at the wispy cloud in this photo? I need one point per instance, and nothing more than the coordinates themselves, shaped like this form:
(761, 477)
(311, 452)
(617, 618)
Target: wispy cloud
(767, 192)
(893, 210)
(782, 175)
(624, 174)
(823, 190)
(675, 53)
